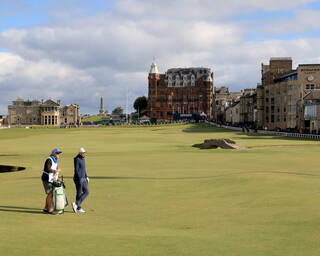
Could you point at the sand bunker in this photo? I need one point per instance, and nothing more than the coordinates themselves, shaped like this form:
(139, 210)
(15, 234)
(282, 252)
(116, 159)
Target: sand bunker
(9, 168)
(218, 143)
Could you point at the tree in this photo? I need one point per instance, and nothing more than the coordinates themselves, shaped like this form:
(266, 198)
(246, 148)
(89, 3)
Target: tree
(117, 111)
(140, 104)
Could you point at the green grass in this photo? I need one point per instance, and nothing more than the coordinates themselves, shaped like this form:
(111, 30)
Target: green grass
(92, 118)
(151, 193)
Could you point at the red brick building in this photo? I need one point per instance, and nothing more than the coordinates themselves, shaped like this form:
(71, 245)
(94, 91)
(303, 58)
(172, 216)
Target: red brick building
(180, 93)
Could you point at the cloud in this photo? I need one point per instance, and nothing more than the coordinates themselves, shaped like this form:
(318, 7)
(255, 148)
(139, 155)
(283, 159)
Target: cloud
(204, 9)
(79, 59)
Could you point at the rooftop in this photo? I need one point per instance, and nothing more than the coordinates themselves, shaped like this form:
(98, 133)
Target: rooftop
(280, 58)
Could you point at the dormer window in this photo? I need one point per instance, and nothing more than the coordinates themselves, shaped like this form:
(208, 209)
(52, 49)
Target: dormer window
(193, 80)
(170, 80)
(177, 80)
(185, 80)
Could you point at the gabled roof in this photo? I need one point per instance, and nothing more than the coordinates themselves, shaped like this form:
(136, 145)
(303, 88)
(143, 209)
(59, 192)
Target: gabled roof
(51, 103)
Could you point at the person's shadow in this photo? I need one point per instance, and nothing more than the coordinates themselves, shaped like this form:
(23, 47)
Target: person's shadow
(19, 209)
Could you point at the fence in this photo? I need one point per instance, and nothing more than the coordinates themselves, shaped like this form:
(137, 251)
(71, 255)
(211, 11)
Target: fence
(286, 134)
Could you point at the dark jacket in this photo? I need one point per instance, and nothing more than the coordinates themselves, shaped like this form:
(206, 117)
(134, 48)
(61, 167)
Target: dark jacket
(79, 168)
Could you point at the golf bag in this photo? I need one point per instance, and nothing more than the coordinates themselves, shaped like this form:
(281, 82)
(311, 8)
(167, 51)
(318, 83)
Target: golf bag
(60, 200)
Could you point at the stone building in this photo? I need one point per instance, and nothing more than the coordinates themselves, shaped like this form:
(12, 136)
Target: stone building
(233, 113)
(48, 113)
(222, 100)
(180, 93)
(280, 95)
(248, 107)
(311, 111)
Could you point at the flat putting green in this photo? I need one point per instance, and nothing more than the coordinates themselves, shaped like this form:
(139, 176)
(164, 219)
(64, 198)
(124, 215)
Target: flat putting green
(151, 193)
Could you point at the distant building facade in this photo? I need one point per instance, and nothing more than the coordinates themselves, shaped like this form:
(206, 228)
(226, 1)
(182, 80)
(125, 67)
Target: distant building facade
(281, 92)
(232, 113)
(248, 107)
(311, 112)
(48, 113)
(222, 100)
(180, 92)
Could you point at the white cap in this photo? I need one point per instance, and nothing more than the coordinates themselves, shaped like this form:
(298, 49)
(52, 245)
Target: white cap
(82, 150)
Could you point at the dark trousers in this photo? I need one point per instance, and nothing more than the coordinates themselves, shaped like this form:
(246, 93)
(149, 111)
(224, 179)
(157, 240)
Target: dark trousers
(82, 191)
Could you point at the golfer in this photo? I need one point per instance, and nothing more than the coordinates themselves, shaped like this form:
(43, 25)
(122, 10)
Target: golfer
(50, 174)
(81, 181)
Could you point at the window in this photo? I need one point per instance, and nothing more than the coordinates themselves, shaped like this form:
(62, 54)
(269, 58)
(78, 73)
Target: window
(310, 87)
(185, 80)
(193, 80)
(294, 99)
(272, 101)
(272, 119)
(294, 108)
(177, 80)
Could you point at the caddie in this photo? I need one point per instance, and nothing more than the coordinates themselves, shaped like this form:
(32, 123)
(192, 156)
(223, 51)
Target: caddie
(50, 173)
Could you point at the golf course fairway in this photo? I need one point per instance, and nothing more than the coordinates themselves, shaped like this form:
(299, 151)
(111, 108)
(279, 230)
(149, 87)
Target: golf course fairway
(153, 194)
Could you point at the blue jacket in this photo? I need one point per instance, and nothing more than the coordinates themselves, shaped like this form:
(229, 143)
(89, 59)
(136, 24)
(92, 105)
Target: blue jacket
(79, 168)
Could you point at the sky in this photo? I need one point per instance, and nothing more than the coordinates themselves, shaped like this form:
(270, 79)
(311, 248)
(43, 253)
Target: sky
(78, 51)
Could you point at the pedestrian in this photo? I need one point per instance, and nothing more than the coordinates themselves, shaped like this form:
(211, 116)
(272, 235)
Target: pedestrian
(49, 175)
(81, 180)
